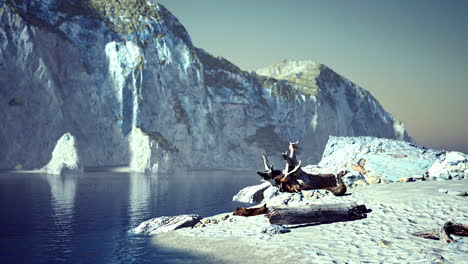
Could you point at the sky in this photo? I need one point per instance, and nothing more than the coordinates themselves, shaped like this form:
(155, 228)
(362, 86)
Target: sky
(411, 55)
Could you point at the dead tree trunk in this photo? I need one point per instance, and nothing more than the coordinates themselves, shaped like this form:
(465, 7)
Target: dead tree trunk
(323, 213)
(444, 233)
(319, 213)
(242, 211)
(294, 179)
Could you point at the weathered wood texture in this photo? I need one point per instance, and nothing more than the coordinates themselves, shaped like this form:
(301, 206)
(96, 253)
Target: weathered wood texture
(443, 233)
(294, 179)
(242, 211)
(340, 189)
(320, 213)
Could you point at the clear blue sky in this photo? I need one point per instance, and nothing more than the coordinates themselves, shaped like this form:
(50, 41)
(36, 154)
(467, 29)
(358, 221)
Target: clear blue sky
(411, 55)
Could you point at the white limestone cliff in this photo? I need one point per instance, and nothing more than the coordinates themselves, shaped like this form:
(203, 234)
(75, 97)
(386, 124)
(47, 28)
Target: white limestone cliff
(65, 157)
(146, 155)
(101, 69)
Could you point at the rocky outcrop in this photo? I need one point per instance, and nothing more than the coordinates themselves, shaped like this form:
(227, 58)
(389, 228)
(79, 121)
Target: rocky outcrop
(165, 224)
(272, 197)
(117, 74)
(373, 159)
(449, 165)
(376, 160)
(252, 194)
(275, 230)
(238, 226)
(65, 157)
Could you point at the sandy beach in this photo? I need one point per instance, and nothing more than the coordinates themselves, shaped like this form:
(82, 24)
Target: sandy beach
(398, 209)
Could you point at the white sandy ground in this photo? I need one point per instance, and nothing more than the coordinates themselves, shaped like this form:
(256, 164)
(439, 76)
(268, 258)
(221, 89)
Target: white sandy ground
(398, 209)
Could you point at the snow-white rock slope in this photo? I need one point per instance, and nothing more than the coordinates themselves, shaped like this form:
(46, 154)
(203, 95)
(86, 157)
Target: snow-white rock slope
(377, 160)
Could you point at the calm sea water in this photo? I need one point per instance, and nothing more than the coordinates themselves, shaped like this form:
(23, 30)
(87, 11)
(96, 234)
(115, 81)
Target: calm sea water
(86, 218)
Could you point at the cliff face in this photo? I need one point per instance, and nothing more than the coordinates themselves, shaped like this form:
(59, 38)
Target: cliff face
(125, 80)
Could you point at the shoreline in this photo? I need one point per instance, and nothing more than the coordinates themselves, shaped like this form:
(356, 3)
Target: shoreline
(398, 209)
(117, 169)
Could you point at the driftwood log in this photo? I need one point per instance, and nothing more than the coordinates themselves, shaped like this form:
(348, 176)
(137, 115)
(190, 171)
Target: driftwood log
(242, 211)
(443, 233)
(319, 213)
(294, 179)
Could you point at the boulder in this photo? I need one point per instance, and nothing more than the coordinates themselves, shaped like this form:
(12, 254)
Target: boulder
(270, 192)
(442, 190)
(409, 179)
(271, 196)
(450, 165)
(274, 230)
(165, 224)
(251, 194)
(373, 180)
(65, 157)
(278, 199)
(373, 160)
(359, 183)
(456, 193)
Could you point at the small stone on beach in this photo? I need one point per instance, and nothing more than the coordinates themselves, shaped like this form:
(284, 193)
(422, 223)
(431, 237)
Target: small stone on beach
(274, 230)
(224, 217)
(384, 243)
(406, 180)
(165, 224)
(457, 193)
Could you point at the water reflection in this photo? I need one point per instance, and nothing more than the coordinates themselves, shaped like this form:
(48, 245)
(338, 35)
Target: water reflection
(144, 189)
(63, 193)
(139, 197)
